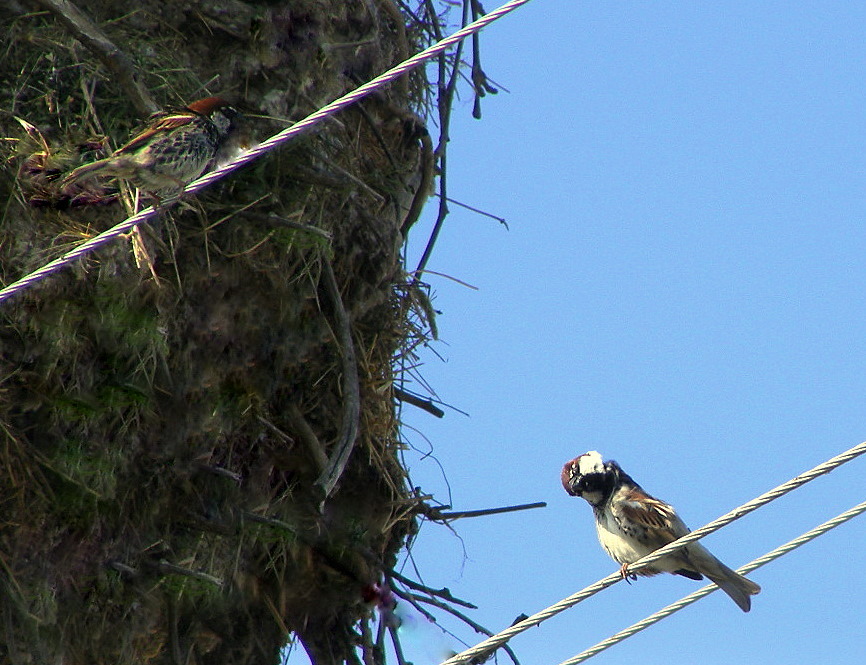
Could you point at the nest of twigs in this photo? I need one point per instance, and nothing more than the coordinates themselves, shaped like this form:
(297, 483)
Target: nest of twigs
(171, 407)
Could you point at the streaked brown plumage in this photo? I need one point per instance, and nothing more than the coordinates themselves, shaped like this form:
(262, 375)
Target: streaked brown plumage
(173, 149)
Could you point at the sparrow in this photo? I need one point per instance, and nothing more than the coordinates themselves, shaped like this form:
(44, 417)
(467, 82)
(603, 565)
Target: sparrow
(630, 524)
(174, 148)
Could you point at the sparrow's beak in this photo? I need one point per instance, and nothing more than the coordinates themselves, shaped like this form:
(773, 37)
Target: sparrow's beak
(568, 476)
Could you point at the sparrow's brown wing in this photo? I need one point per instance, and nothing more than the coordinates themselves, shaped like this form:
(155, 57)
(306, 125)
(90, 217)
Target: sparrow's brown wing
(657, 517)
(662, 525)
(161, 125)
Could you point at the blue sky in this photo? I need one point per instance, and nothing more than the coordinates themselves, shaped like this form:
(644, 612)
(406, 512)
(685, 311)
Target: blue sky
(683, 287)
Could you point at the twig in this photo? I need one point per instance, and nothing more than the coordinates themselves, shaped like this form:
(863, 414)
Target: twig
(477, 627)
(202, 523)
(446, 97)
(166, 567)
(413, 600)
(330, 558)
(397, 21)
(377, 133)
(380, 642)
(272, 521)
(414, 400)
(409, 598)
(451, 277)
(288, 223)
(122, 568)
(398, 648)
(308, 436)
(499, 219)
(174, 638)
(479, 79)
(420, 296)
(349, 421)
(488, 511)
(433, 19)
(428, 169)
(351, 177)
(12, 589)
(352, 658)
(427, 162)
(120, 66)
(443, 593)
(368, 649)
(219, 471)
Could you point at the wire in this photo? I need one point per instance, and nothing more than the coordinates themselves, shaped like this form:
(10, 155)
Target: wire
(700, 593)
(484, 648)
(266, 146)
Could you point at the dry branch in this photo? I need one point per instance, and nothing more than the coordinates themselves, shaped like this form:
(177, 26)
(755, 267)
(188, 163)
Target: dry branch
(351, 390)
(308, 436)
(456, 515)
(443, 593)
(414, 400)
(166, 567)
(414, 599)
(219, 471)
(117, 62)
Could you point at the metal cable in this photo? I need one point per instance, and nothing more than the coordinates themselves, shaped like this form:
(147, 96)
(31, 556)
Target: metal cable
(704, 591)
(266, 146)
(484, 648)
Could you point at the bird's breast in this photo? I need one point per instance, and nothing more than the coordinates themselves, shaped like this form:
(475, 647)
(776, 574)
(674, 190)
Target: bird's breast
(624, 543)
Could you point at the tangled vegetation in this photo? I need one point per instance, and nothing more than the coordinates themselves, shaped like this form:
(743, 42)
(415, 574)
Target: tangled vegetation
(200, 452)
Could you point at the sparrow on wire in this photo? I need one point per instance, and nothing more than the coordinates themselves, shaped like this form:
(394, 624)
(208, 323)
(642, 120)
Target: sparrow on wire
(174, 148)
(630, 524)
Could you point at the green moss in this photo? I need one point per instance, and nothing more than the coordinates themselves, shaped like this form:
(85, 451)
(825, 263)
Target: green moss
(83, 478)
(125, 326)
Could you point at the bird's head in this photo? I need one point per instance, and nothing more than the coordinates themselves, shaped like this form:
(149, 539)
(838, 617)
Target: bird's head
(221, 113)
(590, 477)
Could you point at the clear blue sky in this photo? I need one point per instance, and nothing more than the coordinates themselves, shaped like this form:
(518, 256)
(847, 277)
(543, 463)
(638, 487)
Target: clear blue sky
(683, 287)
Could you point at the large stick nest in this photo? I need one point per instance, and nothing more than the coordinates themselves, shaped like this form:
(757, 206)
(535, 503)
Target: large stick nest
(168, 404)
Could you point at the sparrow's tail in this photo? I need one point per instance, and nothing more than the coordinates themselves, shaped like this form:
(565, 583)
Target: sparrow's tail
(739, 588)
(86, 172)
(732, 583)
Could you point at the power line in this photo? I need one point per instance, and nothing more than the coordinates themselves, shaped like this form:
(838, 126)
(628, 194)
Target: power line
(704, 591)
(266, 146)
(486, 647)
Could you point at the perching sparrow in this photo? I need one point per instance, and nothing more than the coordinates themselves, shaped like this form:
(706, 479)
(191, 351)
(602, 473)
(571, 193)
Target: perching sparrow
(173, 149)
(631, 524)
